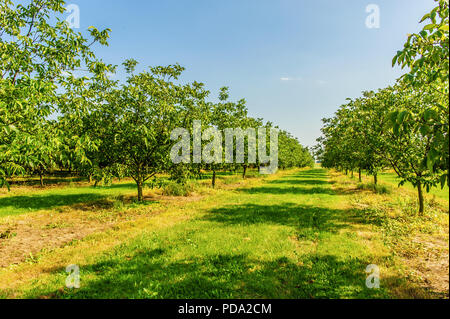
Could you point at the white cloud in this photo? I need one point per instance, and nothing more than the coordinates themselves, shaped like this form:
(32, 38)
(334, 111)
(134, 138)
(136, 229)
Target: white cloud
(286, 78)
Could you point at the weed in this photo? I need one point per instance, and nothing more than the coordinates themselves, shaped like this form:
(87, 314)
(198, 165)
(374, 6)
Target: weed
(31, 259)
(56, 225)
(177, 189)
(7, 234)
(378, 189)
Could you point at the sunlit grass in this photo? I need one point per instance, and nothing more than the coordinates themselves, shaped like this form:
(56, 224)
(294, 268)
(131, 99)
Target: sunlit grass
(19, 201)
(287, 238)
(298, 234)
(25, 198)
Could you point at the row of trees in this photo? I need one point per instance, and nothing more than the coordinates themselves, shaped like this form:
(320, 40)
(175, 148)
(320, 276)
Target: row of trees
(404, 126)
(60, 107)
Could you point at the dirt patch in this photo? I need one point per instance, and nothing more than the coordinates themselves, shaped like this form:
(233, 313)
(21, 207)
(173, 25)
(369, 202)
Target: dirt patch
(45, 231)
(22, 238)
(431, 267)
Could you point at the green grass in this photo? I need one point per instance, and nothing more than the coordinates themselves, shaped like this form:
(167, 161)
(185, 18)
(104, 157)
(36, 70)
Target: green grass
(293, 235)
(288, 238)
(379, 189)
(23, 200)
(18, 202)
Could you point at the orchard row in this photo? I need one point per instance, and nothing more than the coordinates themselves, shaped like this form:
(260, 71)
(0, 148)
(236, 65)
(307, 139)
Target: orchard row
(404, 126)
(60, 108)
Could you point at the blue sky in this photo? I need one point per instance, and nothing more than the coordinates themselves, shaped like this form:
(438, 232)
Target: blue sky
(294, 61)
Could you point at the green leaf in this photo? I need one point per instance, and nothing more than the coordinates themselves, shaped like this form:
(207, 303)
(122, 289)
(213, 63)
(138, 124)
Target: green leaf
(430, 26)
(443, 179)
(430, 163)
(401, 116)
(424, 17)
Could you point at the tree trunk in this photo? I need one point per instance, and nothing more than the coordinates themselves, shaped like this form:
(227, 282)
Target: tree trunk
(41, 178)
(421, 205)
(140, 183)
(359, 175)
(352, 174)
(346, 171)
(245, 170)
(214, 179)
(90, 178)
(375, 178)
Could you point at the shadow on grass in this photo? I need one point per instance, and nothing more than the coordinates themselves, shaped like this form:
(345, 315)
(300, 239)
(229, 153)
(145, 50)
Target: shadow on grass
(300, 182)
(47, 181)
(289, 190)
(119, 186)
(38, 202)
(141, 271)
(48, 201)
(147, 274)
(316, 172)
(298, 216)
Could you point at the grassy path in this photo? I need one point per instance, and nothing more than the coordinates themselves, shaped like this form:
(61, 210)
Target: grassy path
(292, 237)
